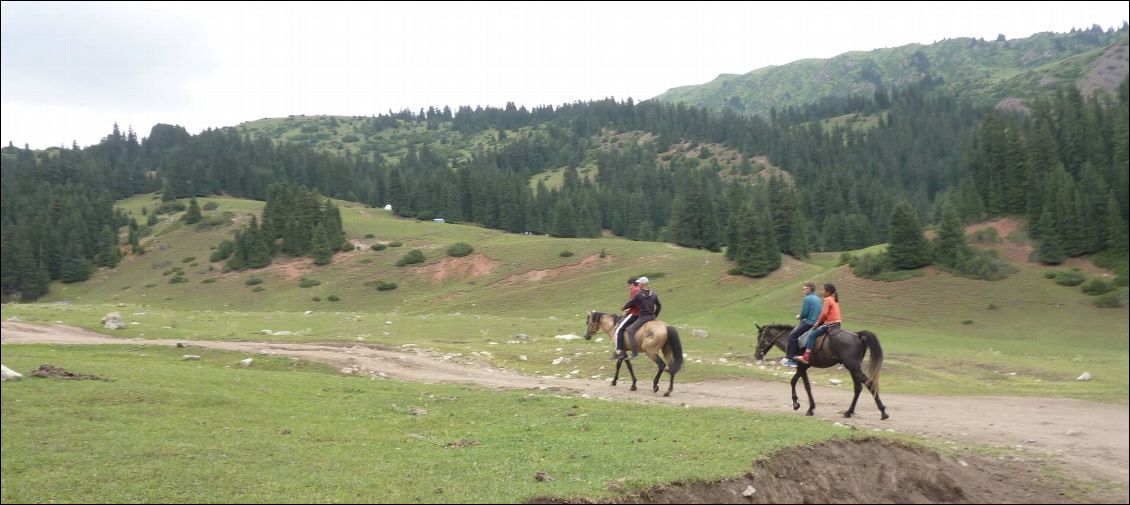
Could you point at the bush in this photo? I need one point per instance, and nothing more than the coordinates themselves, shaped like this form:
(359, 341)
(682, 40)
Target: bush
(253, 280)
(1097, 287)
(316, 299)
(208, 280)
(1109, 301)
(1050, 275)
(378, 247)
(869, 266)
(257, 289)
(211, 205)
(370, 235)
(734, 271)
(308, 283)
(565, 254)
(395, 243)
(967, 321)
(366, 261)
(459, 249)
(333, 298)
(413, 257)
(845, 259)
(187, 259)
(178, 278)
(986, 236)
(1069, 278)
(385, 286)
(983, 265)
(348, 246)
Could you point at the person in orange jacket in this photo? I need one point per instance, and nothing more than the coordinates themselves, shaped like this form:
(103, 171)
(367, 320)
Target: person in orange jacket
(829, 320)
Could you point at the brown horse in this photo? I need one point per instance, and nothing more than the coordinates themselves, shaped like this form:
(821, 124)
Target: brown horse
(653, 337)
(839, 347)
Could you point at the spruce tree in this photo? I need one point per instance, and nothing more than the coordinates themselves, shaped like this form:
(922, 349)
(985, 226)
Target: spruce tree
(950, 243)
(75, 267)
(322, 251)
(1115, 239)
(192, 215)
(908, 246)
(1049, 250)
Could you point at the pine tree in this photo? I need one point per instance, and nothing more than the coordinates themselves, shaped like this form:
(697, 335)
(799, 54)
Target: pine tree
(76, 267)
(192, 215)
(908, 246)
(1049, 250)
(257, 247)
(1115, 239)
(322, 252)
(950, 243)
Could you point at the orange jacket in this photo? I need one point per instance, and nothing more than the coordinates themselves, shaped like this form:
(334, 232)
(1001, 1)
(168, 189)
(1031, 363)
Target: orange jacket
(632, 292)
(830, 313)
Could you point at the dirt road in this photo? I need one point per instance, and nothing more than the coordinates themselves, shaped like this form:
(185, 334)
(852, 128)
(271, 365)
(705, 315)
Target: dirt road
(1089, 439)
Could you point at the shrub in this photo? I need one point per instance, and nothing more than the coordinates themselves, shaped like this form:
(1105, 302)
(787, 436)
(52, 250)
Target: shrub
(179, 278)
(366, 261)
(413, 257)
(333, 298)
(395, 243)
(378, 247)
(984, 265)
(565, 254)
(1067, 278)
(187, 259)
(1050, 275)
(211, 205)
(316, 299)
(208, 280)
(385, 286)
(257, 289)
(305, 282)
(845, 258)
(459, 249)
(986, 236)
(603, 253)
(1109, 301)
(1097, 287)
(869, 266)
(253, 280)
(347, 246)
(369, 235)
(349, 138)
(967, 321)
(734, 271)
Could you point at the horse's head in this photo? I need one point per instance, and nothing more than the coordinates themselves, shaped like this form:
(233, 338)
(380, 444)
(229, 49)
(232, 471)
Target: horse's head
(592, 323)
(767, 336)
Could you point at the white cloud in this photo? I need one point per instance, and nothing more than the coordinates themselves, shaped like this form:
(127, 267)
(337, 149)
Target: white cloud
(72, 70)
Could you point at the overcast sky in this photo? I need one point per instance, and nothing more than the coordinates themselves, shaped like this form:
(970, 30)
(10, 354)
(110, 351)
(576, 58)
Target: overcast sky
(71, 70)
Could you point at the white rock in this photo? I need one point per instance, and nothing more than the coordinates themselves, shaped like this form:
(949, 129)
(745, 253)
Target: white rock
(347, 371)
(308, 312)
(191, 357)
(7, 374)
(1085, 377)
(15, 319)
(962, 462)
(245, 362)
(562, 360)
(599, 340)
(723, 360)
(749, 491)
(700, 333)
(835, 382)
(522, 357)
(113, 321)
(567, 337)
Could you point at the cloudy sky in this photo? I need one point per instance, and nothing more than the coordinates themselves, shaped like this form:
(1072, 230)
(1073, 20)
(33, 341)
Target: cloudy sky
(71, 70)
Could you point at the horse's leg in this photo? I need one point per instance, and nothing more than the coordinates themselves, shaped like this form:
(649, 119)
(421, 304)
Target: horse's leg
(633, 372)
(671, 384)
(808, 388)
(796, 377)
(878, 402)
(857, 381)
(616, 377)
(655, 382)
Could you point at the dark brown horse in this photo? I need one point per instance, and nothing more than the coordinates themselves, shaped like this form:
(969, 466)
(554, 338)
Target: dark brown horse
(839, 347)
(654, 336)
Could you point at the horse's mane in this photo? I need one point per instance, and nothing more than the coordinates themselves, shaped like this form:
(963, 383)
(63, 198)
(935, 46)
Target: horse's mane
(777, 326)
(599, 315)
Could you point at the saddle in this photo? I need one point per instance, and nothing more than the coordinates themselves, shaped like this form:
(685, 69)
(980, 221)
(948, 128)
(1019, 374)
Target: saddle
(819, 344)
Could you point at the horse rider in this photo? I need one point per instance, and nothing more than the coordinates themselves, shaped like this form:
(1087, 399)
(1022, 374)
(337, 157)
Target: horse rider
(809, 312)
(829, 320)
(630, 317)
(648, 304)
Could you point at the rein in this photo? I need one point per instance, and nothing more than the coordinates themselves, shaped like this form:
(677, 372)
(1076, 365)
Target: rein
(769, 345)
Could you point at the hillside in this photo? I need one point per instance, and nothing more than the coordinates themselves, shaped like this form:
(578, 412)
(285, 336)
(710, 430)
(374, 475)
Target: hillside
(984, 71)
(939, 339)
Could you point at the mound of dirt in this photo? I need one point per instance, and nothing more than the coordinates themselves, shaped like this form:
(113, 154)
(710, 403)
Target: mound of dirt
(48, 371)
(862, 471)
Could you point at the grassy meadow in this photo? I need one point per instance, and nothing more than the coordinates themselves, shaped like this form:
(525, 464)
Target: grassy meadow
(209, 430)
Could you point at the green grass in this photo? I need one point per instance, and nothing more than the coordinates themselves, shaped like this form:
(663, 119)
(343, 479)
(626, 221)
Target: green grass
(168, 430)
(942, 334)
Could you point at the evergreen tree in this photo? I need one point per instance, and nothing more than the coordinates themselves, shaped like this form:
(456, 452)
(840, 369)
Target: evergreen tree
(322, 252)
(257, 247)
(908, 246)
(950, 245)
(1115, 239)
(1049, 250)
(76, 267)
(192, 215)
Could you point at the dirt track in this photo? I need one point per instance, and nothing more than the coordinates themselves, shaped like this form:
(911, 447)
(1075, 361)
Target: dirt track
(1090, 439)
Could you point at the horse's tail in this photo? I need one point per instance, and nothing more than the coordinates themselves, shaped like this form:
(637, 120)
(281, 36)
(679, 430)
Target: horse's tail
(676, 350)
(876, 360)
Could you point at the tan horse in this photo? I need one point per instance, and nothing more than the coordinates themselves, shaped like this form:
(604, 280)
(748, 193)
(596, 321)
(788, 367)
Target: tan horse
(653, 337)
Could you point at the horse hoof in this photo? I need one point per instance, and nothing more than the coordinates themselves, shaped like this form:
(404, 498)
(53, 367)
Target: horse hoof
(885, 416)
(796, 406)
(655, 389)
(809, 413)
(667, 394)
(847, 414)
(633, 388)
(613, 383)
